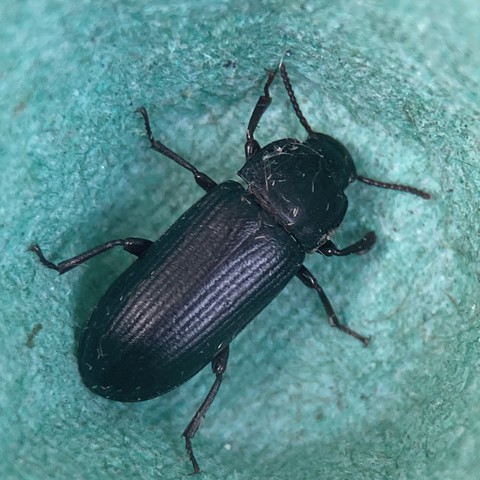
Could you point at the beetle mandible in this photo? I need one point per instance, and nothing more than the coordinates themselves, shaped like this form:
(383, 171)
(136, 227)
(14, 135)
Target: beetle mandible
(189, 294)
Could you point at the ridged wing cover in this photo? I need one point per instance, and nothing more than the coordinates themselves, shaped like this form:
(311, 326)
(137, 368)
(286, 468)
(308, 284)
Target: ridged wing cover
(187, 297)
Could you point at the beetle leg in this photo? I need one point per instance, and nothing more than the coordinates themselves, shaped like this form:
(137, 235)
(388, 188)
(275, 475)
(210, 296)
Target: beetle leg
(311, 282)
(136, 246)
(202, 179)
(219, 365)
(251, 145)
(362, 246)
(394, 186)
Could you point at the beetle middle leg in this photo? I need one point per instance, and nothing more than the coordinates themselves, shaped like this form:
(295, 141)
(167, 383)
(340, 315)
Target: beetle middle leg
(219, 365)
(135, 246)
(311, 282)
(202, 179)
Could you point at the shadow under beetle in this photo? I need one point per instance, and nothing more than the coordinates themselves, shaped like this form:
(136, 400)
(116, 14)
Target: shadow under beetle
(190, 293)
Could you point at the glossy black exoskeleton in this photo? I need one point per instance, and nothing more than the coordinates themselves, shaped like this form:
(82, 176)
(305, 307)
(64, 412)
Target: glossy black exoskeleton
(188, 295)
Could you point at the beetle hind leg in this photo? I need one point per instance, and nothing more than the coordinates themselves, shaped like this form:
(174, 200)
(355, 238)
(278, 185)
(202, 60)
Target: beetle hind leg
(219, 366)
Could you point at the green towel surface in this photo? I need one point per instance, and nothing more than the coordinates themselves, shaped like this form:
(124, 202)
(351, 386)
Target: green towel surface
(398, 82)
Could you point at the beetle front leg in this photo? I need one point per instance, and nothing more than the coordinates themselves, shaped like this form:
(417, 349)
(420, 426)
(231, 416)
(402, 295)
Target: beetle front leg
(219, 365)
(135, 246)
(362, 246)
(311, 282)
(263, 102)
(202, 179)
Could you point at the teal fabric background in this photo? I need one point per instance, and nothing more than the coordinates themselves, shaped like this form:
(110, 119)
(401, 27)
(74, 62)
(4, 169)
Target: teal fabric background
(396, 81)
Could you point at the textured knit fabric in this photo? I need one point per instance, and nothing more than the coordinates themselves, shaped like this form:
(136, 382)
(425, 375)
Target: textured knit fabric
(396, 81)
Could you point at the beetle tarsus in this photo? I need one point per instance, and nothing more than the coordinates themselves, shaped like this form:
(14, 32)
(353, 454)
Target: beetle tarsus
(219, 366)
(35, 248)
(191, 456)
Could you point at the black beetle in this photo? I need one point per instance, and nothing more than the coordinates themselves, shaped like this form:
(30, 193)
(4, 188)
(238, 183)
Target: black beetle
(190, 293)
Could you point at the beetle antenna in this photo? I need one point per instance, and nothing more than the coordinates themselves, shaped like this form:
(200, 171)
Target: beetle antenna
(394, 186)
(293, 100)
